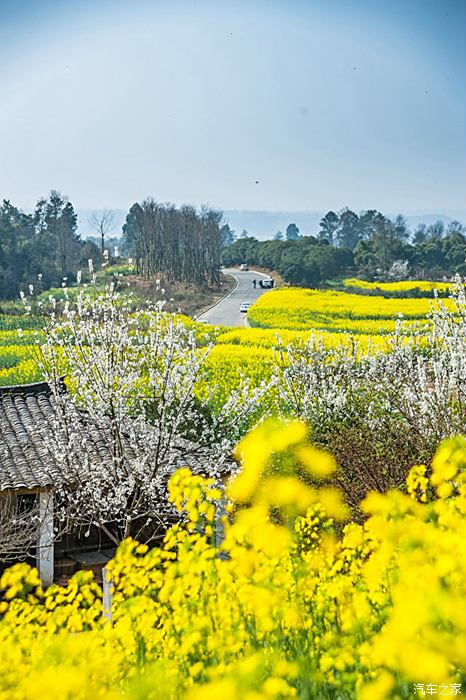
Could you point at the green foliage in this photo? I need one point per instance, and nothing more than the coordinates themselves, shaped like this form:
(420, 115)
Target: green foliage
(40, 249)
(305, 261)
(13, 322)
(370, 244)
(292, 232)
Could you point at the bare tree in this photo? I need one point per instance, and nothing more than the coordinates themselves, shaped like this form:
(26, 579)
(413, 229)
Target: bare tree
(182, 244)
(102, 222)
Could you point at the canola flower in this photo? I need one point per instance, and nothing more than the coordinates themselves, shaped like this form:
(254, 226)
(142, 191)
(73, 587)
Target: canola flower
(11, 355)
(305, 309)
(271, 337)
(293, 601)
(401, 286)
(22, 372)
(20, 337)
(228, 366)
(333, 318)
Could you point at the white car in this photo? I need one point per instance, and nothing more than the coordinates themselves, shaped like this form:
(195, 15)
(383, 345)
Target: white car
(245, 306)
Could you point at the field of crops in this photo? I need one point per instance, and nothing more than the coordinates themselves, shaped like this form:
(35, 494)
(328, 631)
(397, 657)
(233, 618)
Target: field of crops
(404, 287)
(18, 351)
(337, 577)
(307, 309)
(281, 316)
(285, 607)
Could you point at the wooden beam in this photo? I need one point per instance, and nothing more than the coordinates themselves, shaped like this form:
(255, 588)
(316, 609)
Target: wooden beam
(45, 558)
(18, 492)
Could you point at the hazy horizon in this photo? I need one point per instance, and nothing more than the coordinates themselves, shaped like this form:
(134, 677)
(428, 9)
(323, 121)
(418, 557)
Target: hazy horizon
(281, 106)
(264, 224)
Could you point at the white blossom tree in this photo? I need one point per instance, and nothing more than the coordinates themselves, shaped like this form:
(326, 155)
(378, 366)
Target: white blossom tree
(133, 380)
(380, 411)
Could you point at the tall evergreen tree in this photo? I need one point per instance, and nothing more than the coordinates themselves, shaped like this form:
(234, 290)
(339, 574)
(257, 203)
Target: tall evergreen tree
(56, 223)
(292, 232)
(328, 227)
(348, 233)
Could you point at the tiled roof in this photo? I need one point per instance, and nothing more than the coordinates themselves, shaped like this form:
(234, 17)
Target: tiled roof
(27, 430)
(26, 435)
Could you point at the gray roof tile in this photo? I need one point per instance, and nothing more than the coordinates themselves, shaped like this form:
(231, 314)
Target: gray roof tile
(27, 429)
(26, 435)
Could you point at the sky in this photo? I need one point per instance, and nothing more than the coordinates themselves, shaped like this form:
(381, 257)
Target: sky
(292, 105)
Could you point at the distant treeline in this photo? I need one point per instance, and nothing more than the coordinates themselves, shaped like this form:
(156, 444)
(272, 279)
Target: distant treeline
(305, 262)
(369, 244)
(40, 248)
(182, 244)
(188, 245)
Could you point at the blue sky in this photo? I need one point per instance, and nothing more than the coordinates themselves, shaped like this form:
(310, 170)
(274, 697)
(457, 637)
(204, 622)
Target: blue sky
(271, 105)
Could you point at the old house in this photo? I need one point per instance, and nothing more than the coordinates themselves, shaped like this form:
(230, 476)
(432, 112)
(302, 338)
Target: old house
(30, 479)
(29, 475)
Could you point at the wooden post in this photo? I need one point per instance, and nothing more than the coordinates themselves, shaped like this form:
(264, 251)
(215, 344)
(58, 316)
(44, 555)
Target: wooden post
(107, 586)
(220, 512)
(45, 558)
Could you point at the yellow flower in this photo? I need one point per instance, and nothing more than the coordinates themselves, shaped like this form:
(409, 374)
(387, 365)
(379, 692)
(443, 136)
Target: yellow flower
(319, 463)
(379, 688)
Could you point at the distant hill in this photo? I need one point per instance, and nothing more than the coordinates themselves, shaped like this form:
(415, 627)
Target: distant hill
(416, 219)
(264, 224)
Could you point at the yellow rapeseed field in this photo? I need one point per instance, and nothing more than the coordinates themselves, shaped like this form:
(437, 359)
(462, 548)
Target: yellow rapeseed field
(404, 286)
(273, 337)
(304, 309)
(294, 602)
(335, 317)
(228, 365)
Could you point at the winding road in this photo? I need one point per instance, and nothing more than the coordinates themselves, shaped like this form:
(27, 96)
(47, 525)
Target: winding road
(226, 312)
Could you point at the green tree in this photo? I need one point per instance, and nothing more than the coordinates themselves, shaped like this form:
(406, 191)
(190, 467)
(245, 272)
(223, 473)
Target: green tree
(367, 223)
(328, 227)
(228, 235)
(298, 270)
(292, 232)
(56, 223)
(42, 244)
(436, 230)
(429, 256)
(16, 238)
(454, 250)
(420, 234)
(388, 242)
(348, 233)
(243, 250)
(455, 227)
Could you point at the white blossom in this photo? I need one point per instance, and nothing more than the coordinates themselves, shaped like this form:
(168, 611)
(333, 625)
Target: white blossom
(134, 379)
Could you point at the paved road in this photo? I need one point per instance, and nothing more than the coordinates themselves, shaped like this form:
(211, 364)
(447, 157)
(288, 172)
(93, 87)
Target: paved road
(227, 312)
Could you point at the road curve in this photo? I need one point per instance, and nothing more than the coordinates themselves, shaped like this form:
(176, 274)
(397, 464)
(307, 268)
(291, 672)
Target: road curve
(226, 312)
